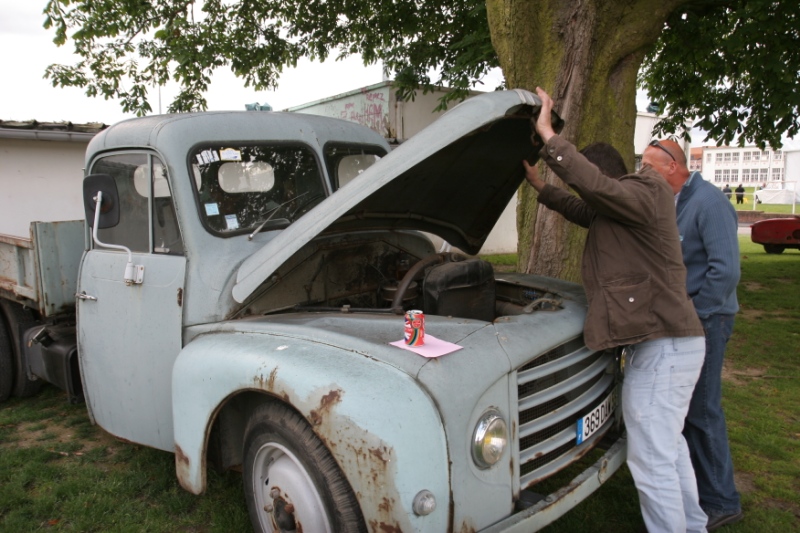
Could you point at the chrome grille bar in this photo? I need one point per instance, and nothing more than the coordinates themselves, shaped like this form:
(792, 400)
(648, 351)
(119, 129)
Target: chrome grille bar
(584, 376)
(552, 367)
(570, 410)
(554, 391)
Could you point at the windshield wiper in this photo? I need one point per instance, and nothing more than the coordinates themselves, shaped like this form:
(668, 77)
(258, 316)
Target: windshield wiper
(272, 212)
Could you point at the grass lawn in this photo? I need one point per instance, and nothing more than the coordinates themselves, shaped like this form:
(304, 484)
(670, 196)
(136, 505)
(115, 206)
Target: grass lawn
(60, 473)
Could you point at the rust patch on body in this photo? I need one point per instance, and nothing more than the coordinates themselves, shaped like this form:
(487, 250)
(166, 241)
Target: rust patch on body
(367, 461)
(181, 457)
(378, 454)
(269, 383)
(467, 528)
(182, 465)
(317, 416)
(385, 505)
(384, 527)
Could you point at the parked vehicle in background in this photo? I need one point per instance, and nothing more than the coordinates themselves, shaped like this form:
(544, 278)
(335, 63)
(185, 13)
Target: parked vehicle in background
(231, 309)
(777, 234)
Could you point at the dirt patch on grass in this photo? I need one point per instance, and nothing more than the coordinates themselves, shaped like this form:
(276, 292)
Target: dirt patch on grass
(740, 377)
(750, 314)
(783, 506)
(752, 286)
(760, 314)
(744, 482)
(59, 438)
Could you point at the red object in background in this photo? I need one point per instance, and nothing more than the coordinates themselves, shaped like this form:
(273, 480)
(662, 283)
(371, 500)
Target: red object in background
(776, 234)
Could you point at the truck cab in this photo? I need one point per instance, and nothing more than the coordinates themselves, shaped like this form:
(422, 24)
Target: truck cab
(241, 298)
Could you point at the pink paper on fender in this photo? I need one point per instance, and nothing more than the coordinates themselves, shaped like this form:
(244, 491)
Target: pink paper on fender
(433, 347)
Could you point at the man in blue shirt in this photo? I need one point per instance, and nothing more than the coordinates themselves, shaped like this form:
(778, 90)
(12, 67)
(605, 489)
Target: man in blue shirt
(707, 224)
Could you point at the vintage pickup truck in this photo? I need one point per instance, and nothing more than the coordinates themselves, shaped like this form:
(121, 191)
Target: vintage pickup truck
(234, 292)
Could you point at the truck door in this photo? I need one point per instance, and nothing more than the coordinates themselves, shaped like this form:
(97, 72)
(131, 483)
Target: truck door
(130, 335)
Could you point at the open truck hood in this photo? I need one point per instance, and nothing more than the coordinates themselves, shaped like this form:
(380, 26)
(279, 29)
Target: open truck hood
(453, 179)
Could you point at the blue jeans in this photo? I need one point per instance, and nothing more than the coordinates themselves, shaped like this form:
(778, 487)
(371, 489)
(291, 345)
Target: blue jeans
(660, 376)
(705, 430)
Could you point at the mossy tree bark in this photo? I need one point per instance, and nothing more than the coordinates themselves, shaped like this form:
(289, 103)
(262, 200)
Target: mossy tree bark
(586, 55)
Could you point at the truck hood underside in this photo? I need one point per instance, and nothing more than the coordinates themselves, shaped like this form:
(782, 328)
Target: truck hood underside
(453, 179)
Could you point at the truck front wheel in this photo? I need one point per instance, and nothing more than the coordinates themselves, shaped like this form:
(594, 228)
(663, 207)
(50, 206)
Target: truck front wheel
(291, 481)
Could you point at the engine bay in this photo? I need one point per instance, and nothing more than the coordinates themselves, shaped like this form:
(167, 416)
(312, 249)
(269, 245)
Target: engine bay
(391, 272)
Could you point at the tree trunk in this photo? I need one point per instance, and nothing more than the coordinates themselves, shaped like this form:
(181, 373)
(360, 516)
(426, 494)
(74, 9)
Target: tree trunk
(585, 54)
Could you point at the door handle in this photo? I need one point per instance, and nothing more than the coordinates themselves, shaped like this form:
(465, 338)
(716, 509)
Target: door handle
(83, 296)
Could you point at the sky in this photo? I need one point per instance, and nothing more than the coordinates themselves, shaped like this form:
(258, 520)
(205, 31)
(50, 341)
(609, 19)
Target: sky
(27, 50)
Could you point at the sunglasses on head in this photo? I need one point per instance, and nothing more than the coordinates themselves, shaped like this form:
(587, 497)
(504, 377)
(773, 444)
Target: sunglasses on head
(657, 144)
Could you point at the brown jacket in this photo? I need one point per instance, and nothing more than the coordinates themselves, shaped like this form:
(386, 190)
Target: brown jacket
(632, 265)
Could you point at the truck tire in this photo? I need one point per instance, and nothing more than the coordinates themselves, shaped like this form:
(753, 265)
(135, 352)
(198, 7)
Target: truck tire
(774, 248)
(6, 363)
(19, 319)
(291, 481)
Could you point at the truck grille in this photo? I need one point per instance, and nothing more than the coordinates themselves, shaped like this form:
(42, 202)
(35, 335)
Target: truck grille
(554, 391)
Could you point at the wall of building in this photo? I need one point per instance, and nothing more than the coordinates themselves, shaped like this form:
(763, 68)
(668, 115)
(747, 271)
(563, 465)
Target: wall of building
(39, 181)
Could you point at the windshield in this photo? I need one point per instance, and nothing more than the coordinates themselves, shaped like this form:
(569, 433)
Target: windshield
(240, 187)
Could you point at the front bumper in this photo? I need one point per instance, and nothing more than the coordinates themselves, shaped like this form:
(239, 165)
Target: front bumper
(560, 502)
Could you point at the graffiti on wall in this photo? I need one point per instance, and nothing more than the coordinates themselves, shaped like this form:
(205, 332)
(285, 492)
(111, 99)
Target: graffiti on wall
(369, 109)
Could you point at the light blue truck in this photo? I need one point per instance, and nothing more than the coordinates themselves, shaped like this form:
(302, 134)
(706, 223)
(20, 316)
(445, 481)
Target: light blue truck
(234, 292)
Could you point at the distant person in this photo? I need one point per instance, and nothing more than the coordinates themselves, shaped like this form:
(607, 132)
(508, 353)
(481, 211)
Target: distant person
(740, 194)
(633, 272)
(708, 227)
(727, 191)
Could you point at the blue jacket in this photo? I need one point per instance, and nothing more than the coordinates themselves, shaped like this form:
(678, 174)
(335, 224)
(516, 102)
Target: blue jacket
(708, 225)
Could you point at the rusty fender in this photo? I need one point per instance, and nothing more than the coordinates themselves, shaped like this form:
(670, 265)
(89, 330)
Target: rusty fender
(381, 427)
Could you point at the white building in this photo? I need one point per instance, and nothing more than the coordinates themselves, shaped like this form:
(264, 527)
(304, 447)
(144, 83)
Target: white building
(746, 165)
(41, 172)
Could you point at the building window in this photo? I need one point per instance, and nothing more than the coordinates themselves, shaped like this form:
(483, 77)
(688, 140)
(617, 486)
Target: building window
(765, 155)
(717, 176)
(726, 175)
(778, 155)
(745, 157)
(756, 156)
(764, 173)
(735, 157)
(708, 158)
(719, 157)
(727, 157)
(777, 174)
(734, 174)
(745, 174)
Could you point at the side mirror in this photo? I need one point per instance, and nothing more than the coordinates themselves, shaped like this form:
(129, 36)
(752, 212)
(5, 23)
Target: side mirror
(109, 210)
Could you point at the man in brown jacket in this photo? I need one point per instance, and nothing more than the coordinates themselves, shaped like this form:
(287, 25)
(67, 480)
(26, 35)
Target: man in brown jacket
(635, 284)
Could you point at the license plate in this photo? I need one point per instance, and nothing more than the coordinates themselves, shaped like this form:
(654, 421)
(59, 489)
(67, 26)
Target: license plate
(595, 419)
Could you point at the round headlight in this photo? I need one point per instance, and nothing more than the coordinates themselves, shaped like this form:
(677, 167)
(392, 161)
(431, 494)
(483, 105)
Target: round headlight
(489, 439)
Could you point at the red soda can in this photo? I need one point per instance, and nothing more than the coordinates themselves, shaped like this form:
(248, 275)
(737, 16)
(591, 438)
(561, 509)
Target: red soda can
(415, 328)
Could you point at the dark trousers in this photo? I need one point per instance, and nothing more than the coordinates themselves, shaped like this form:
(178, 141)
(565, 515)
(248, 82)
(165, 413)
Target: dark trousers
(705, 429)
